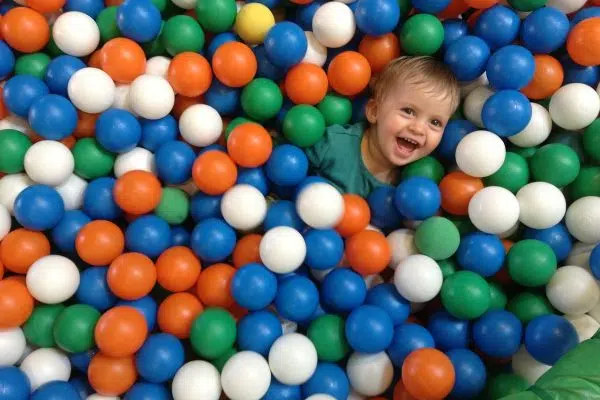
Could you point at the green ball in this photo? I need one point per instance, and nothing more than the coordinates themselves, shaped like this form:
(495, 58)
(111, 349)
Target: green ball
(91, 160)
(463, 224)
(427, 167)
(422, 34)
(174, 206)
(587, 183)
(261, 99)
(525, 152)
(447, 266)
(556, 163)
(336, 109)
(498, 297)
(216, 15)
(13, 146)
(107, 24)
(155, 47)
(213, 333)
(505, 384)
(74, 328)
(52, 49)
(303, 125)
(527, 5)
(574, 140)
(327, 333)
(437, 237)
(220, 362)
(233, 123)
(160, 4)
(531, 263)
(466, 295)
(34, 64)
(527, 306)
(512, 175)
(591, 140)
(405, 7)
(182, 33)
(38, 328)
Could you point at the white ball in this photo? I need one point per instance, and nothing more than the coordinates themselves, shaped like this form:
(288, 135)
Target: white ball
(316, 53)
(244, 207)
(527, 367)
(196, 380)
(91, 90)
(418, 278)
(474, 104)
(370, 374)
(402, 243)
(293, 359)
(542, 205)
(537, 130)
(185, 4)
(76, 34)
(585, 326)
(15, 122)
(320, 205)
(97, 396)
(480, 154)
(574, 106)
(46, 365)
(5, 221)
(573, 290)
(566, 6)
(10, 187)
(12, 346)
(333, 24)
(467, 87)
(137, 159)
(121, 100)
(49, 162)
(282, 249)
(200, 125)
(72, 192)
(580, 255)
(246, 376)
(158, 66)
(52, 279)
(494, 210)
(595, 313)
(511, 231)
(583, 219)
(355, 396)
(373, 280)
(151, 96)
(320, 396)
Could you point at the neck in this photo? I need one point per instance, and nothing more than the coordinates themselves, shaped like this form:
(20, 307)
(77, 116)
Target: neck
(375, 161)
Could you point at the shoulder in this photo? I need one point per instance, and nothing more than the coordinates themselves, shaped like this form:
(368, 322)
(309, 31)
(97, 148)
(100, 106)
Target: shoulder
(337, 140)
(347, 130)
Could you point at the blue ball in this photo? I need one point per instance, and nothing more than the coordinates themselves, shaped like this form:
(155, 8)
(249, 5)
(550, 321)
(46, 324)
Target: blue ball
(98, 199)
(575, 73)
(253, 286)
(180, 236)
(498, 26)
(65, 232)
(279, 391)
(329, 379)
(454, 131)
(498, 333)
(510, 67)
(431, 6)
(217, 41)
(557, 237)
(213, 240)
(343, 290)
(149, 235)
(470, 374)
(386, 297)
(287, 166)
(53, 117)
(118, 131)
(174, 162)
(408, 338)
(467, 57)
(285, 44)
(545, 30)
(454, 29)
(369, 329)
(81, 361)
(448, 331)
(156, 132)
(267, 3)
(224, 99)
(81, 385)
(159, 358)
(204, 206)
(595, 261)
(585, 13)
(549, 337)
(14, 383)
(282, 213)
(55, 390)
(89, 7)
(139, 20)
(148, 391)
(265, 68)
(297, 298)
(324, 248)
(417, 198)
(146, 306)
(254, 177)
(257, 332)
(93, 289)
(384, 213)
(21, 91)
(481, 253)
(506, 113)
(359, 105)
(7, 60)
(39, 207)
(59, 73)
(305, 13)
(378, 17)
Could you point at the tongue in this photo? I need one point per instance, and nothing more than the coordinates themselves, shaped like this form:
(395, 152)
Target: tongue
(405, 145)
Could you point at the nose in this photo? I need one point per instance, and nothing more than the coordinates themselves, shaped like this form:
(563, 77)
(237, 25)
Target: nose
(418, 127)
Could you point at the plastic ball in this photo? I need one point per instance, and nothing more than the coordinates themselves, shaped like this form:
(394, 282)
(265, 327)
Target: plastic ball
(196, 378)
(428, 373)
(535, 33)
(131, 275)
(481, 253)
(46, 365)
(297, 298)
(138, 20)
(328, 380)
(320, 206)
(581, 36)
(147, 87)
(52, 279)
(497, 333)
(253, 21)
(333, 24)
(498, 26)
(572, 290)
(257, 331)
(510, 67)
(137, 192)
(377, 17)
(541, 204)
(387, 297)
(537, 130)
(160, 358)
(494, 210)
(293, 359)
(146, 306)
(349, 73)
(53, 117)
(12, 344)
(370, 374)
(93, 289)
(121, 331)
(91, 90)
(527, 367)
(213, 240)
(574, 106)
(418, 278)
(465, 295)
(8, 60)
(408, 338)
(15, 383)
(118, 131)
(467, 57)
(497, 118)
(472, 107)
(287, 166)
(246, 375)
(325, 248)
(303, 125)
(422, 34)
(316, 53)
(285, 44)
(39, 207)
(471, 158)
(174, 162)
(470, 373)
(369, 329)
(582, 217)
(200, 125)
(25, 29)
(144, 390)
(417, 198)
(248, 196)
(549, 337)
(49, 163)
(449, 332)
(76, 33)
(21, 91)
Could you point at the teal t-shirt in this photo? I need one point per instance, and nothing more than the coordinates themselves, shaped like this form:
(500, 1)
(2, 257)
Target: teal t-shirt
(337, 157)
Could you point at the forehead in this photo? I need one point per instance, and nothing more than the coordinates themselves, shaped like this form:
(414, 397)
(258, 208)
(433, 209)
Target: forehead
(421, 93)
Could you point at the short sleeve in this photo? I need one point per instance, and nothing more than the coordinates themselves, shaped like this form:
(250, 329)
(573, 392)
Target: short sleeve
(317, 153)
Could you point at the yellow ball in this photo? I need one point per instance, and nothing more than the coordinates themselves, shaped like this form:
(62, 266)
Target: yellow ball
(253, 21)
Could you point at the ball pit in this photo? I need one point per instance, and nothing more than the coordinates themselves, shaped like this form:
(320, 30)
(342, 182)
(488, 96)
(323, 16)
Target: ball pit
(162, 235)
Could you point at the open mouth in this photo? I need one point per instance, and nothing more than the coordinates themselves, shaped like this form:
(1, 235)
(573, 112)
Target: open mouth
(406, 146)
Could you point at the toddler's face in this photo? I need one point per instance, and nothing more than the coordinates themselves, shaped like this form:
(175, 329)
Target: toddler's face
(409, 122)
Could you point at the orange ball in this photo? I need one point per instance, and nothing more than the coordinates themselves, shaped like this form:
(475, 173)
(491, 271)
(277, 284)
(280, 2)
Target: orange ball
(16, 304)
(131, 276)
(234, 64)
(25, 30)
(357, 215)
(247, 250)
(214, 172)
(306, 83)
(177, 269)
(349, 73)
(46, 6)
(3, 110)
(457, 189)
(368, 252)
(86, 124)
(481, 4)
(21, 248)
(583, 43)
(123, 59)
(137, 192)
(379, 50)
(249, 145)
(213, 286)
(110, 376)
(182, 103)
(189, 74)
(177, 313)
(1, 269)
(121, 331)
(547, 79)
(428, 374)
(454, 9)
(99, 242)
(400, 392)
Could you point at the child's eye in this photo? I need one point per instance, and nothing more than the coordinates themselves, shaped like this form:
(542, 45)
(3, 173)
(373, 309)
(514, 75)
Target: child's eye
(408, 110)
(437, 123)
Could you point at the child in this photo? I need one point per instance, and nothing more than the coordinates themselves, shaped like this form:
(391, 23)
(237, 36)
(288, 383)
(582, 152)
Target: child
(412, 101)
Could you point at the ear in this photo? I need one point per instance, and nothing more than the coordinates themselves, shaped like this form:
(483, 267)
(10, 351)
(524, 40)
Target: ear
(371, 111)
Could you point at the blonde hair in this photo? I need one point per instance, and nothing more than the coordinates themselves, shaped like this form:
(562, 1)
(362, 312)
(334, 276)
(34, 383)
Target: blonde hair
(423, 71)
